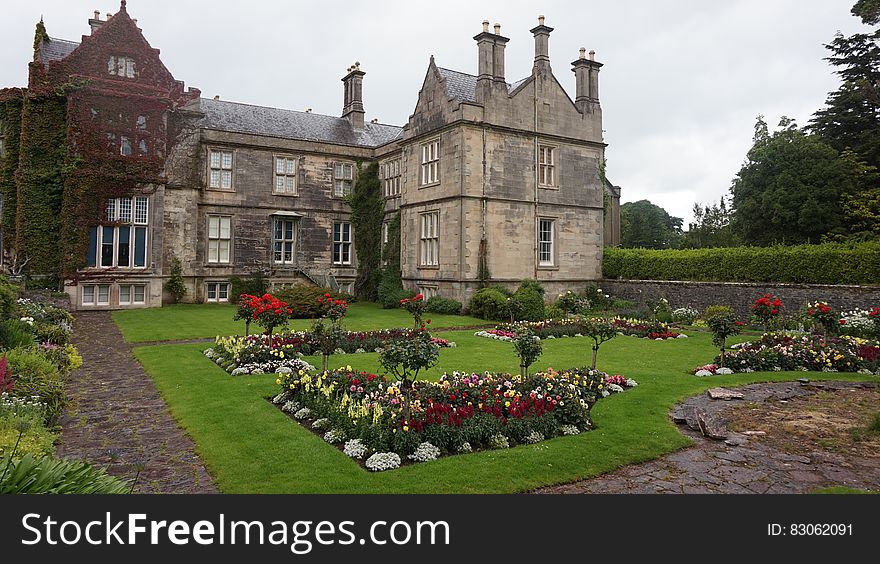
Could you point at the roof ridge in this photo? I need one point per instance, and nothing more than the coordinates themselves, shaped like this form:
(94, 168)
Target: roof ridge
(65, 40)
(294, 111)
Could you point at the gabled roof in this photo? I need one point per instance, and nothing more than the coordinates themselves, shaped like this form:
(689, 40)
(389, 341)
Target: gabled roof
(463, 86)
(288, 124)
(54, 49)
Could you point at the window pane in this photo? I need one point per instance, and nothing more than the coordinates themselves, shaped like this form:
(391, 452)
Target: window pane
(129, 68)
(224, 251)
(227, 160)
(288, 252)
(110, 212)
(88, 295)
(213, 251)
(215, 159)
(141, 206)
(104, 295)
(288, 230)
(140, 247)
(92, 255)
(225, 227)
(125, 210)
(346, 232)
(291, 184)
(279, 184)
(139, 294)
(291, 166)
(225, 179)
(107, 246)
(142, 123)
(223, 291)
(125, 294)
(279, 229)
(213, 226)
(125, 147)
(278, 255)
(279, 166)
(111, 65)
(212, 291)
(337, 230)
(215, 179)
(123, 256)
(142, 147)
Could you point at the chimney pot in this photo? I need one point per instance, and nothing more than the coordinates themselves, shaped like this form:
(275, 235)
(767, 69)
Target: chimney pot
(592, 55)
(217, 97)
(374, 120)
(485, 26)
(540, 20)
(308, 110)
(583, 53)
(97, 15)
(109, 15)
(498, 29)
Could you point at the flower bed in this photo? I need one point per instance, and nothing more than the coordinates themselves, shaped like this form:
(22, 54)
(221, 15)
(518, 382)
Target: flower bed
(367, 417)
(576, 327)
(262, 354)
(784, 352)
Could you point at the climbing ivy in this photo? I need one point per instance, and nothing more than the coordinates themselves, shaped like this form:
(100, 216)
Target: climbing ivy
(391, 278)
(10, 116)
(367, 213)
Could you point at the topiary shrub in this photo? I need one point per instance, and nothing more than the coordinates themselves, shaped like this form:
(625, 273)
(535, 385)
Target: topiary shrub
(175, 284)
(714, 310)
(528, 303)
(490, 303)
(529, 284)
(443, 306)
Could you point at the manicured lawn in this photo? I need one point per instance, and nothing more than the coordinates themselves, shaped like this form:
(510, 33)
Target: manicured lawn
(199, 321)
(250, 446)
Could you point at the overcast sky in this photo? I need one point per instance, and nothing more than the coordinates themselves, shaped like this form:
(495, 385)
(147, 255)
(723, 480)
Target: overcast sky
(682, 84)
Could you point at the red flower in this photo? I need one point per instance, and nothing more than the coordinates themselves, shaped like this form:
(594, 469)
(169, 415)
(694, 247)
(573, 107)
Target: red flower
(843, 321)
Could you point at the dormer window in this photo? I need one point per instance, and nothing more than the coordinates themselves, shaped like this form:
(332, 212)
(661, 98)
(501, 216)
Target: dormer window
(121, 66)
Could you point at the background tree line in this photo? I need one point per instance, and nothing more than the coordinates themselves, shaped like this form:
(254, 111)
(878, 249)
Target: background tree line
(809, 184)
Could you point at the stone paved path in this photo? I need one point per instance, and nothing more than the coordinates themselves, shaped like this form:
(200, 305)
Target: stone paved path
(116, 418)
(736, 464)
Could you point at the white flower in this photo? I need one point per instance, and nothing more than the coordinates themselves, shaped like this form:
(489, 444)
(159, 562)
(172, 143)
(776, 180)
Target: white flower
(682, 336)
(569, 430)
(383, 461)
(534, 437)
(290, 407)
(615, 388)
(605, 393)
(631, 383)
(425, 452)
(360, 351)
(723, 371)
(334, 436)
(355, 448)
(464, 447)
(703, 373)
(240, 372)
(279, 398)
(302, 413)
(320, 423)
(499, 441)
(284, 370)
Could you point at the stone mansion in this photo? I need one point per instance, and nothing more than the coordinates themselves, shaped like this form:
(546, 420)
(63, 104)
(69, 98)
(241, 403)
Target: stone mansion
(504, 177)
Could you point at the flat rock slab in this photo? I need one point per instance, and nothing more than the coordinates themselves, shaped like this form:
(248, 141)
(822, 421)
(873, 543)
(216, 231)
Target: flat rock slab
(741, 462)
(724, 394)
(116, 419)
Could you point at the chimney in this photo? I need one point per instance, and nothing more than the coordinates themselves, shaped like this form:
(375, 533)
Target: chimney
(353, 108)
(542, 47)
(586, 72)
(490, 60)
(96, 21)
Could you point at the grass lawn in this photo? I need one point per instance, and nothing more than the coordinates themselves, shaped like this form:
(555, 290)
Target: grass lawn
(248, 445)
(198, 321)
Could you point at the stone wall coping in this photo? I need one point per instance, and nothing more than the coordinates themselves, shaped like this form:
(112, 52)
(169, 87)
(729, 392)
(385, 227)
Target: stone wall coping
(744, 284)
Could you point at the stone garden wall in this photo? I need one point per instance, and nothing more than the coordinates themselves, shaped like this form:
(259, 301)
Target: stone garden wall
(740, 296)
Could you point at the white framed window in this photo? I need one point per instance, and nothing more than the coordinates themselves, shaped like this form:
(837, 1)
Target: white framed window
(121, 242)
(343, 176)
(284, 240)
(285, 175)
(391, 178)
(346, 288)
(121, 66)
(88, 295)
(220, 173)
(546, 165)
(430, 162)
(219, 239)
(125, 146)
(546, 242)
(341, 243)
(102, 294)
(217, 292)
(385, 227)
(134, 294)
(430, 239)
(428, 292)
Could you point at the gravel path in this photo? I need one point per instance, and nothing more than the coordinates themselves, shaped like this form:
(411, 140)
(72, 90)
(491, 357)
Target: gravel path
(116, 418)
(737, 463)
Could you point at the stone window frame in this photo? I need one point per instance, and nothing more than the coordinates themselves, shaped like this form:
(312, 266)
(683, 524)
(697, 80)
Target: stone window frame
(344, 245)
(288, 158)
(122, 66)
(218, 238)
(429, 291)
(294, 241)
(221, 168)
(218, 284)
(429, 244)
(337, 178)
(552, 167)
(95, 290)
(429, 163)
(553, 263)
(135, 217)
(132, 295)
(391, 177)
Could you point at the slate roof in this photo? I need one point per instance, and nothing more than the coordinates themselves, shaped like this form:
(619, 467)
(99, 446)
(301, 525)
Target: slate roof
(54, 49)
(463, 86)
(288, 124)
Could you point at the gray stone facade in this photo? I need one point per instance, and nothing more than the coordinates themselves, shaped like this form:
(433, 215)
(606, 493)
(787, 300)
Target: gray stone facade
(490, 172)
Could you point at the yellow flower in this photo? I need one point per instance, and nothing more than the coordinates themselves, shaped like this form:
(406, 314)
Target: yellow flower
(406, 428)
(278, 381)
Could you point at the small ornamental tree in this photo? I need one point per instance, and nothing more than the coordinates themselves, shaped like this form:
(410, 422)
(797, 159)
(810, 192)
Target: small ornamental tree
(269, 312)
(723, 325)
(766, 309)
(600, 331)
(175, 284)
(529, 348)
(823, 316)
(329, 335)
(416, 307)
(245, 311)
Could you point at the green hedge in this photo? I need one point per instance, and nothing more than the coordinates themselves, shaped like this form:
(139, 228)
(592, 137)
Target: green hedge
(829, 263)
